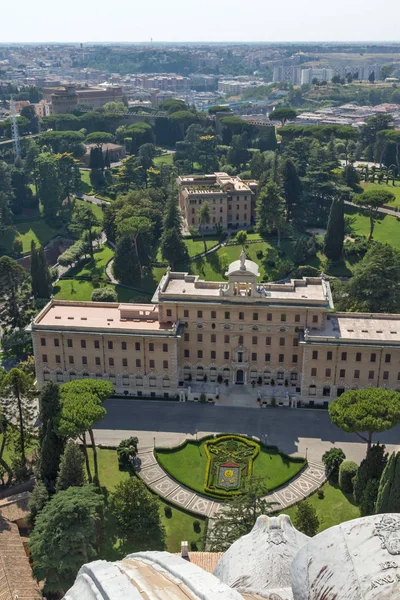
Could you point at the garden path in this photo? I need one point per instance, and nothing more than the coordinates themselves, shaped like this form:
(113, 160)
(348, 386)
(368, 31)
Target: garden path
(160, 482)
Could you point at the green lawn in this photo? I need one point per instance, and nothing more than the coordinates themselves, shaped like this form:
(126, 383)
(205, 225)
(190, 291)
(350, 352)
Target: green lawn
(29, 449)
(379, 186)
(164, 159)
(188, 466)
(178, 527)
(386, 229)
(335, 508)
(81, 291)
(86, 186)
(96, 267)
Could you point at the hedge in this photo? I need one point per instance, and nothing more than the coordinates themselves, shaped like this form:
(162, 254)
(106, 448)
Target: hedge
(347, 471)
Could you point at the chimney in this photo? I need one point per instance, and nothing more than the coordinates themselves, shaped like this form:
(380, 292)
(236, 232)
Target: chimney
(185, 550)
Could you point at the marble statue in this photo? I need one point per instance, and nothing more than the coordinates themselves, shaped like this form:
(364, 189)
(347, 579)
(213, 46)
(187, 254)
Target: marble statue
(357, 560)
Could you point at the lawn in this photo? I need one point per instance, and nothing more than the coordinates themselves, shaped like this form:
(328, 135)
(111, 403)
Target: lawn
(30, 447)
(164, 159)
(382, 186)
(86, 186)
(96, 267)
(178, 527)
(336, 507)
(188, 466)
(387, 228)
(81, 290)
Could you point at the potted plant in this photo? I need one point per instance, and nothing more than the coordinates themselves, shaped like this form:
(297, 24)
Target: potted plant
(203, 398)
(273, 401)
(272, 381)
(219, 378)
(190, 377)
(259, 380)
(205, 378)
(286, 382)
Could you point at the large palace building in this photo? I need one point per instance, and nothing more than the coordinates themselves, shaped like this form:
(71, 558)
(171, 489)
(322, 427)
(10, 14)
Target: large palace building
(284, 339)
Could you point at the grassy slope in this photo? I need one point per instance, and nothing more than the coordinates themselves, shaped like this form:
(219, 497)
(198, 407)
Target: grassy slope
(179, 527)
(188, 465)
(386, 227)
(379, 186)
(164, 159)
(335, 508)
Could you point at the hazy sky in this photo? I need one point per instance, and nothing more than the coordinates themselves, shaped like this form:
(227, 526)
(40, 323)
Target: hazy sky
(206, 20)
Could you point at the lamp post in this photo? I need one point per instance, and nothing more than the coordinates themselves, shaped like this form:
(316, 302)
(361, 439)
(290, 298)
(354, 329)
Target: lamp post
(154, 442)
(306, 452)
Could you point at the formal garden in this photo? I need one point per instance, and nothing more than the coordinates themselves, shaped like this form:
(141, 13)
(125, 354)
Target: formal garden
(221, 467)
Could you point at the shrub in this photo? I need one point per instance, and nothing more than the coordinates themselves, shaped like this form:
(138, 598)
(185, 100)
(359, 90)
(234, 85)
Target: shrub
(168, 512)
(321, 494)
(126, 452)
(347, 471)
(17, 246)
(193, 547)
(306, 519)
(105, 294)
(332, 460)
(197, 526)
(53, 274)
(202, 398)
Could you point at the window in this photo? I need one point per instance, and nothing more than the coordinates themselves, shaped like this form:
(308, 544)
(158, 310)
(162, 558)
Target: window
(339, 392)
(42, 341)
(328, 372)
(255, 316)
(344, 356)
(165, 364)
(69, 343)
(226, 339)
(357, 374)
(123, 345)
(315, 319)
(110, 345)
(342, 373)
(71, 360)
(138, 362)
(297, 318)
(240, 339)
(293, 376)
(169, 312)
(312, 390)
(137, 346)
(281, 358)
(254, 340)
(241, 316)
(213, 314)
(165, 347)
(186, 353)
(97, 360)
(358, 356)
(326, 391)
(295, 358)
(213, 338)
(151, 347)
(386, 375)
(151, 364)
(315, 354)
(213, 354)
(226, 355)
(56, 342)
(267, 358)
(83, 343)
(96, 344)
(111, 361)
(388, 358)
(371, 374)
(280, 375)
(295, 342)
(199, 337)
(268, 341)
(313, 372)
(227, 315)
(269, 316)
(199, 353)
(58, 359)
(125, 381)
(373, 357)
(84, 360)
(186, 313)
(329, 355)
(186, 337)
(281, 341)
(254, 356)
(152, 382)
(124, 362)
(199, 314)
(283, 317)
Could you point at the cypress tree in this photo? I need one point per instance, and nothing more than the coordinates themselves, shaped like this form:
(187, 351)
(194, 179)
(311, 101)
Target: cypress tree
(34, 269)
(172, 245)
(72, 473)
(44, 282)
(333, 243)
(388, 499)
(126, 267)
(51, 444)
(291, 185)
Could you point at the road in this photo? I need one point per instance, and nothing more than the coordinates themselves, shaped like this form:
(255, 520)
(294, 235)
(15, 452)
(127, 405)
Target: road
(292, 430)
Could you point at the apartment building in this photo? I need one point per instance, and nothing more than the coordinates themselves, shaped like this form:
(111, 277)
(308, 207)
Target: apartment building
(231, 200)
(284, 338)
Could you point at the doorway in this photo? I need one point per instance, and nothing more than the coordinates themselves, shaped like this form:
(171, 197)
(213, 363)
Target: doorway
(240, 376)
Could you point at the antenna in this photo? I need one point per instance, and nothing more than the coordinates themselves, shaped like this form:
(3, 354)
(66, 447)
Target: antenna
(14, 129)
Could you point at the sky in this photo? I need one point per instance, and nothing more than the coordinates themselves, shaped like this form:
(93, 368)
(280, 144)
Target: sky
(207, 20)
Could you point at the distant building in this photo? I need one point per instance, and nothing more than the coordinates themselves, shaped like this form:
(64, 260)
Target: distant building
(43, 109)
(232, 201)
(65, 99)
(115, 152)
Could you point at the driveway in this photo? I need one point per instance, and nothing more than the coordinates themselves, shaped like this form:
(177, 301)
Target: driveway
(294, 431)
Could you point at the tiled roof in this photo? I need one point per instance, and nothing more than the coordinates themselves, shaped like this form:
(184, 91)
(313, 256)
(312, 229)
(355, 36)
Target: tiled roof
(206, 560)
(15, 507)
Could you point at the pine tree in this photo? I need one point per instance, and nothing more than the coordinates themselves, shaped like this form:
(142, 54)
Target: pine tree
(333, 243)
(291, 185)
(270, 211)
(126, 267)
(71, 473)
(37, 501)
(388, 500)
(40, 273)
(51, 444)
(172, 245)
(306, 519)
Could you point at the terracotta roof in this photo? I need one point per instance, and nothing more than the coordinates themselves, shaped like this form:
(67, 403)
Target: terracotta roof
(16, 580)
(15, 507)
(206, 560)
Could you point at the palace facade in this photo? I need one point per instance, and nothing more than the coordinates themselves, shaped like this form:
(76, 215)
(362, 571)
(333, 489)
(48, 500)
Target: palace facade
(203, 337)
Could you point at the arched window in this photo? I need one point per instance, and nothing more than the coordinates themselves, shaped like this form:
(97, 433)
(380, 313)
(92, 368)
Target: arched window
(152, 381)
(312, 391)
(59, 376)
(166, 382)
(46, 376)
(226, 373)
(267, 375)
(213, 374)
(139, 381)
(72, 375)
(85, 374)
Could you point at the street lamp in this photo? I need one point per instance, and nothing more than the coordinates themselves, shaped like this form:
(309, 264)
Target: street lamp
(306, 452)
(154, 442)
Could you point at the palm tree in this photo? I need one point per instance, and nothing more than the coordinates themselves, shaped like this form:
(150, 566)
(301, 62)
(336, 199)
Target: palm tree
(204, 216)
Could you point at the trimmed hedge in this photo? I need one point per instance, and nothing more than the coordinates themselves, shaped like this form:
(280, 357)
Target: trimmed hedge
(347, 470)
